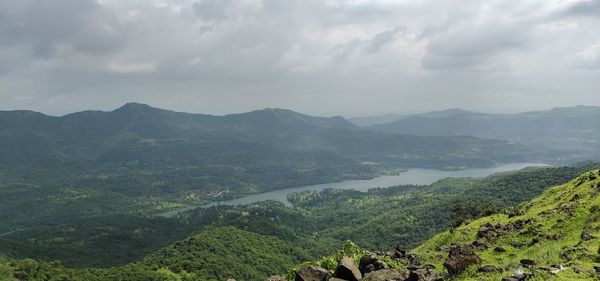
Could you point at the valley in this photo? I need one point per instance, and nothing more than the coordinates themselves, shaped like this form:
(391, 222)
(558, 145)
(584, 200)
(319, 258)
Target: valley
(158, 194)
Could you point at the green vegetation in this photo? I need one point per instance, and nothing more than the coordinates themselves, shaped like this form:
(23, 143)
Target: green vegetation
(215, 254)
(558, 230)
(318, 224)
(555, 236)
(83, 188)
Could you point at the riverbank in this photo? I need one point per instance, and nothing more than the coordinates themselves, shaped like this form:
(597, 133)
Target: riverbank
(415, 176)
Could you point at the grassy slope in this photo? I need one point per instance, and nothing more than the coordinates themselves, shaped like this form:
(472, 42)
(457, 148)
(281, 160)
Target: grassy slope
(410, 215)
(567, 211)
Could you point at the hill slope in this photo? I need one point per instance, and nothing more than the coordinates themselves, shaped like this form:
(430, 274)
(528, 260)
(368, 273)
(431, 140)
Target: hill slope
(555, 236)
(140, 159)
(573, 132)
(213, 255)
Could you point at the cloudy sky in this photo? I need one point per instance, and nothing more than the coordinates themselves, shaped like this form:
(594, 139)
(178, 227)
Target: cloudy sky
(324, 57)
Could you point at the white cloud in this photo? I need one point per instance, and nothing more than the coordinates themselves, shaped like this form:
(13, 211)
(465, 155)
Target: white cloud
(353, 56)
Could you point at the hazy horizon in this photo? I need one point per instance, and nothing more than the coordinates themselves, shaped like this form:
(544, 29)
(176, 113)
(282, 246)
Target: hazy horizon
(307, 113)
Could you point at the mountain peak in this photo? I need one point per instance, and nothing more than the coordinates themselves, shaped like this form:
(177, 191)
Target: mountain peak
(134, 106)
(137, 108)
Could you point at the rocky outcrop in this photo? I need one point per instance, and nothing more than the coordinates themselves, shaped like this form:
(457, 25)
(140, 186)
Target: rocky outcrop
(370, 263)
(348, 270)
(311, 273)
(459, 258)
(384, 275)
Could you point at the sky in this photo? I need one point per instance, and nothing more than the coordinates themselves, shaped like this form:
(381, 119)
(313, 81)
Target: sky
(321, 57)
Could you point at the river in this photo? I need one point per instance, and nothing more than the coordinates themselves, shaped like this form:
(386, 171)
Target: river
(411, 176)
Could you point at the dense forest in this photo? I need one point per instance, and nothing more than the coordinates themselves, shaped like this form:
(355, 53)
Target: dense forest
(317, 225)
(139, 159)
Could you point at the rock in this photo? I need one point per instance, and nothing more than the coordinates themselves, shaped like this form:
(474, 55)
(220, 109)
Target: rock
(371, 263)
(488, 269)
(336, 279)
(479, 245)
(348, 270)
(400, 252)
(487, 231)
(499, 249)
(581, 269)
(384, 275)
(514, 213)
(311, 273)
(527, 262)
(534, 241)
(459, 258)
(412, 267)
(510, 278)
(414, 276)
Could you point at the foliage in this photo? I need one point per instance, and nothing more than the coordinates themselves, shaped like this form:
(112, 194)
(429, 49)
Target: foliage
(559, 228)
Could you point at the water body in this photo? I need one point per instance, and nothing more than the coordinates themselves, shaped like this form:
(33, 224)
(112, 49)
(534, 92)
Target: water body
(411, 176)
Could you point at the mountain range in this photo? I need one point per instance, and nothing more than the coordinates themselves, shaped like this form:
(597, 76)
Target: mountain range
(571, 133)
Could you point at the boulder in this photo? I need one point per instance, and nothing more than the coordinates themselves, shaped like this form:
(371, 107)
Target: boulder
(369, 263)
(459, 258)
(488, 269)
(311, 273)
(479, 245)
(348, 270)
(384, 275)
(400, 252)
(423, 275)
(527, 262)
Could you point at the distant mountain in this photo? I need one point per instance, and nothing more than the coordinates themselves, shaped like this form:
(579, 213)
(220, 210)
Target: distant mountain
(138, 158)
(366, 121)
(390, 117)
(572, 132)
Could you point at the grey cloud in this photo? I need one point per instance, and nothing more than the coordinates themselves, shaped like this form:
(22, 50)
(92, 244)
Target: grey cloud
(346, 56)
(589, 8)
(466, 45)
(381, 39)
(212, 10)
(47, 25)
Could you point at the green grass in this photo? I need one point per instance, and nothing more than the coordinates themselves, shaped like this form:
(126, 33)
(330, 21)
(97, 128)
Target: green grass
(566, 211)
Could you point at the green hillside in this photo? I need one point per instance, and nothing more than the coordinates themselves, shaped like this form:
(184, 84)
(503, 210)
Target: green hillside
(216, 254)
(141, 159)
(558, 232)
(555, 236)
(318, 223)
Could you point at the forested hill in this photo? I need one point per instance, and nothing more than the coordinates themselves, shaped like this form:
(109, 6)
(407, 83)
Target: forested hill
(573, 132)
(255, 241)
(553, 237)
(219, 155)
